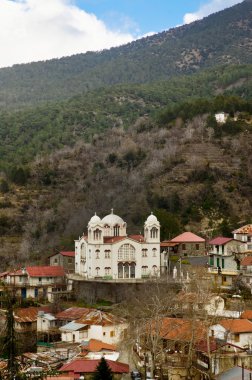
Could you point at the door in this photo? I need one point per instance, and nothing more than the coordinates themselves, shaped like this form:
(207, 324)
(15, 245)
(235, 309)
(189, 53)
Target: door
(23, 293)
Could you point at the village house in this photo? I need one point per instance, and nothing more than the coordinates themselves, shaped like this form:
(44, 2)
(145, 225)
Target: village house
(221, 117)
(189, 244)
(223, 253)
(94, 324)
(63, 259)
(235, 331)
(37, 282)
(86, 368)
(96, 349)
(244, 234)
(108, 253)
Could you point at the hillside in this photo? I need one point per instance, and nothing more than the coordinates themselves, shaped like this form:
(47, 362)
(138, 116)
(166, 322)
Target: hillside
(37, 131)
(222, 38)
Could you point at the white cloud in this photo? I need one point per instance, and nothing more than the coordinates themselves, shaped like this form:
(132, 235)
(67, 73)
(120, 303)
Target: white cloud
(33, 30)
(208, 8)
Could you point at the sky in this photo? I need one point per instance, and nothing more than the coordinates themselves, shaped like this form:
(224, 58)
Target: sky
(35, 30)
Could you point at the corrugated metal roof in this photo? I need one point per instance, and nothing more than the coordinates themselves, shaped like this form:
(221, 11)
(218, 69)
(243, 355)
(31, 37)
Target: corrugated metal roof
(72, 326)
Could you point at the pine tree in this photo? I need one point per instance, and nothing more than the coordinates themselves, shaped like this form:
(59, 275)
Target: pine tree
(103, 371)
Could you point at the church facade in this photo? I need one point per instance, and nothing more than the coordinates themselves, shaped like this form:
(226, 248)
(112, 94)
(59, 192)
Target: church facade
(108, 253)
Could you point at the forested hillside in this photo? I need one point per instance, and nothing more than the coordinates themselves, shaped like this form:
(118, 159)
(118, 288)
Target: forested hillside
(138, 135)
(222, 38)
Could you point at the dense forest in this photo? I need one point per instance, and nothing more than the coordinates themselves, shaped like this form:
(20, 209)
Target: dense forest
(221, 38)
(152, 145)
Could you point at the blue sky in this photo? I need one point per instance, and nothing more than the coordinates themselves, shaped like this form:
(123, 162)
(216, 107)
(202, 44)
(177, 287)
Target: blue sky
(35, 30)
(144, 16)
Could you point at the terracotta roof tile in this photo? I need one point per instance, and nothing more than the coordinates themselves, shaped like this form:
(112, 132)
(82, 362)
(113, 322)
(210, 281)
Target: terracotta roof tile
(220, 240)
(139, 238)
(182, 329)
(237, 325)
(244, 230)
(246, 261)
(188, 237)
(94, 345)
(45, 271)
(89, 366)
(113, 239)
(69, 254)
(247, 314)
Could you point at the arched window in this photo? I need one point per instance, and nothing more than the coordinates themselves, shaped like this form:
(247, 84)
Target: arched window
(83, 251)
(97, 234)
(107, 254)
(97, 269)
(97, 254)
(126, 253)
(144, 252)
(154, 233)
(116, 230)
(154, 252)
(107, 271)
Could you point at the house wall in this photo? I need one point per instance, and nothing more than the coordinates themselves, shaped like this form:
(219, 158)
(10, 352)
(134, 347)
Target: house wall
(192, 249)
(68, 262)
(241, 339)
(224, 262)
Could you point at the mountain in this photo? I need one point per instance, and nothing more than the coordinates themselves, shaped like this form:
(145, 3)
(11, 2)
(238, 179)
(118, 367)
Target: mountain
(221, 38)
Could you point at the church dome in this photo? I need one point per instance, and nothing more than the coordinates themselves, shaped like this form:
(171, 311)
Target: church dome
(152, 219)
(112, 219)
(95, 219)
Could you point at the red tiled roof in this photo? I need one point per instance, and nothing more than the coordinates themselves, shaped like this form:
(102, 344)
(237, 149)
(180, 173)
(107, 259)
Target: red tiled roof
(183, 329)
(188, 237)
(246, 261)
(139, 238)
(47, 271)
(97, 345)
(220, 240)
(69, 254)
(72, 313)
(113, 239)
(247, 314)
(167, 243)
(89, 366)
(244, 230)
(237, 325)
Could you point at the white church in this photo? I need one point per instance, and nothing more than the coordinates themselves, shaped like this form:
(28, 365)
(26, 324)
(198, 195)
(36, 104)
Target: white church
(107, 252)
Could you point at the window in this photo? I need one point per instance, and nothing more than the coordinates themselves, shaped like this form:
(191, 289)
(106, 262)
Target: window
(144, 252)
(154, 252)
(154, 233)
(97, 269)
(97, 234)
(154, 270)
(40, 279)
(83, 251)
(104, 334)
(70, 261)
(55, 261)
(144, 269)
(112, 333)
(183, 247)
(197, 247)
(126, 252)
(97, 254)
(116, 230)
(236, 337)
(107, 253)
(107, 271)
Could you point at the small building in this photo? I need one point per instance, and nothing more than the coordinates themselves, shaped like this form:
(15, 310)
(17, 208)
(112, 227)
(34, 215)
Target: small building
(96, 349)
(221, 117)
(244, 234)
(94, 324)
(223, 252)
(64, 259)
(235, 331)
(37, 282)
(190, 244)
(86, 368)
